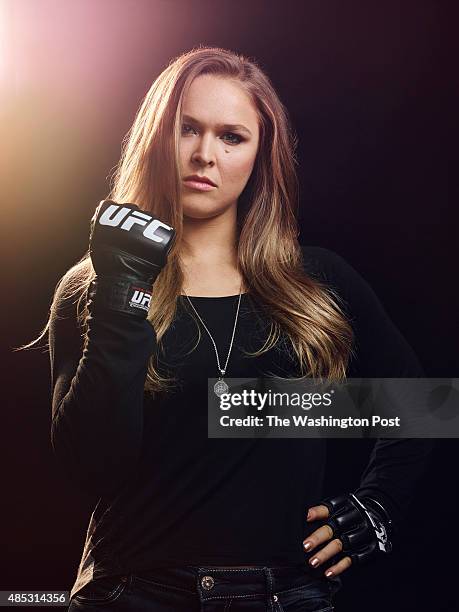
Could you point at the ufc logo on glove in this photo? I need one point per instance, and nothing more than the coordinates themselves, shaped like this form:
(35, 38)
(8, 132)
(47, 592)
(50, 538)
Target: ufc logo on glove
(117, 215)
(140, 299)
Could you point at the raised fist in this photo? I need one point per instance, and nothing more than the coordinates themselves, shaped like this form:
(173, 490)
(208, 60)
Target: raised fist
(128, 249)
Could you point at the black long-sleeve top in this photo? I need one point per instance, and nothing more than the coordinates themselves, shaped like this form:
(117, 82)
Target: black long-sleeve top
(169, 495)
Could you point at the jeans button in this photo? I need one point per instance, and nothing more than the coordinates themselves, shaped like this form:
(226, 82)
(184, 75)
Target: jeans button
(207, 583)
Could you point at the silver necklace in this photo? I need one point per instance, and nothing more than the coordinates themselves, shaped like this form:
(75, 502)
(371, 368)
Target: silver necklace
(220, 386)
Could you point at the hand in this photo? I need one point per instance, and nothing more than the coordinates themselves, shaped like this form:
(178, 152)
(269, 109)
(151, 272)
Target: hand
(125, 240)
(324, 534)
(128, 249)
(355, 526)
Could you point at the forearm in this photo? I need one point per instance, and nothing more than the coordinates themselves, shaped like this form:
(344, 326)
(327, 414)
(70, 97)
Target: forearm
(393, 472)
(96, 428)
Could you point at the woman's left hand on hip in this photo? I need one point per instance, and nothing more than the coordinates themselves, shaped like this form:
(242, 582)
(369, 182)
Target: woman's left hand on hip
(321, 535)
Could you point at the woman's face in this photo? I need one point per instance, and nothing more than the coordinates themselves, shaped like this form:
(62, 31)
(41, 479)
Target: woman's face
(219, 140)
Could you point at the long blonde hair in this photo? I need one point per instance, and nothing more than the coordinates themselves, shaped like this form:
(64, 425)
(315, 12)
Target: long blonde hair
(269, 256)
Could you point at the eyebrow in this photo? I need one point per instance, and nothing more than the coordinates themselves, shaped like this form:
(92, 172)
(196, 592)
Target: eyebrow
(221, 126)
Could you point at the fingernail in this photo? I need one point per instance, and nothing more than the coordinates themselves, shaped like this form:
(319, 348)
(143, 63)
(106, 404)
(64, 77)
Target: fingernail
(315, 561)
(307, 545)
(309, 515)
(329, 573)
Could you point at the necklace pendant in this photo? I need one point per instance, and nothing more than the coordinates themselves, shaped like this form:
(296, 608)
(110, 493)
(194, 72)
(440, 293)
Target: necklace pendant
(220, 387)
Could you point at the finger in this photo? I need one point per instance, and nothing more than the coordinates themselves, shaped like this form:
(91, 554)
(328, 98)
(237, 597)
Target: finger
(323, 534)
(333, 548)
(339, 567)
(317, 512)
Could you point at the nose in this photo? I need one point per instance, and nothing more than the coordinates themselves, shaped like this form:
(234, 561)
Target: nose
(203, 153)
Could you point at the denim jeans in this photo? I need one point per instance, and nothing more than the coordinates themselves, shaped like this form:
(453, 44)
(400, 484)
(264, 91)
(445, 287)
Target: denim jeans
(210, 589)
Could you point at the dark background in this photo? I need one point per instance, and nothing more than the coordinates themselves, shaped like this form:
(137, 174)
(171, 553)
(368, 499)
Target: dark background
(369, 86)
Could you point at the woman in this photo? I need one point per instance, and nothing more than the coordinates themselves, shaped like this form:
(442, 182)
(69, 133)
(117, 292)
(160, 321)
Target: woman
(194, 271)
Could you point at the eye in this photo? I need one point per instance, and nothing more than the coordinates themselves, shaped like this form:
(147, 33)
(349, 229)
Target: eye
(238, 139)
(185, 128)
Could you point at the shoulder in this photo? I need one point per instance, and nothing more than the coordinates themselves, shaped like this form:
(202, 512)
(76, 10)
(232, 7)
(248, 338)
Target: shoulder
(381, 348)
(338, 274)
(352, 289)
(69, 290)
(65, 328)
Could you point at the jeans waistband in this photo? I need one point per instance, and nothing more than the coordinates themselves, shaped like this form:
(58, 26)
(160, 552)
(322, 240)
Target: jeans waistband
(214, 582)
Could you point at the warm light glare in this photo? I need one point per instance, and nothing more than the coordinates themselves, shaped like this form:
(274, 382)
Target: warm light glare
(5, 50)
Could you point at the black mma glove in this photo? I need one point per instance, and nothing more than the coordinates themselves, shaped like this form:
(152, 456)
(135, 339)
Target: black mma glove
(128, 249)
(362, 524)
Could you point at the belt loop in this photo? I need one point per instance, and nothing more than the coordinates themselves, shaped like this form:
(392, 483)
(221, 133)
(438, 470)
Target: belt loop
(269, 581)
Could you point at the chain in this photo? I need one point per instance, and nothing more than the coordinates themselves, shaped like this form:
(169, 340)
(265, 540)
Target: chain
(222, 371)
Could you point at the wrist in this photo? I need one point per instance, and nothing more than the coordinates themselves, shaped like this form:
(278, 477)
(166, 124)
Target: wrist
(377, 507)
(379, 519)
(121, 294)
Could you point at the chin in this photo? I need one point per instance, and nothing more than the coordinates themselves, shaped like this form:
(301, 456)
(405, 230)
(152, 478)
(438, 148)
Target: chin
(201, 212)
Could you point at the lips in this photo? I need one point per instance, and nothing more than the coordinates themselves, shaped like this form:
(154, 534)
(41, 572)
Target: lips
(199, 183)
(195, 178)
